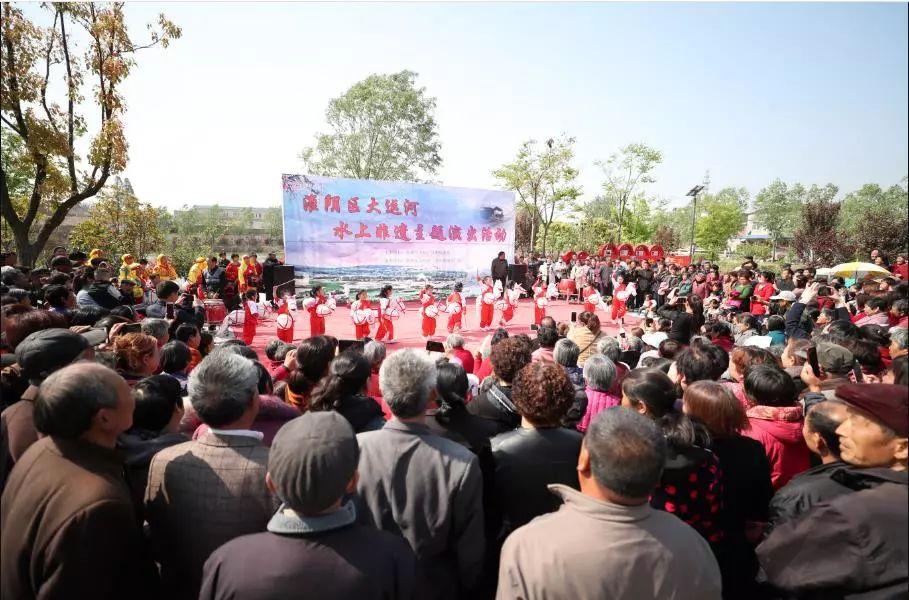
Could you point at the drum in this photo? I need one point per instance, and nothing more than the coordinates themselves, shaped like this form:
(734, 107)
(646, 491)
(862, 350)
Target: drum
(215, 311)
(323, 310)
(284, 321)
(453, 309)
(501, 305)
(489, 298)
(568, 287)
(542, 302)
(431, 311)
(393, 313)
(622, 295)
(593, 298)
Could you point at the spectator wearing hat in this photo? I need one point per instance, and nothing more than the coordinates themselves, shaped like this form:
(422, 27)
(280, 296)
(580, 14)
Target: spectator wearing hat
(854, 545)
(69, 529)
(206, 492)
(605, 541)
(421, 486)
(835, 363)
(314, 537)
(39, 355)
(815, 485)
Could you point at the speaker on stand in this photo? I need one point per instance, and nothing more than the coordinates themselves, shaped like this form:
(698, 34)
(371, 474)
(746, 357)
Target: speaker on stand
(279, 280)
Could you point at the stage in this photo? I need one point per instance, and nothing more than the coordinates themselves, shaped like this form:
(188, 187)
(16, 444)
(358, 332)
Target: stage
(407, 328)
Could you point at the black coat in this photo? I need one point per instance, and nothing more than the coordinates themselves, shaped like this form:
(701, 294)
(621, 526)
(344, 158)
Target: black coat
(579, 405)
(499, 268)
(854, 546)
(682, 324)
(493, 403)
(526, 461)
(806, 490)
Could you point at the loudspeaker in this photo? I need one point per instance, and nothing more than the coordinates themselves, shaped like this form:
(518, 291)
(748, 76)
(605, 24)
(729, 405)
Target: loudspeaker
(518, 273)
(275, 275)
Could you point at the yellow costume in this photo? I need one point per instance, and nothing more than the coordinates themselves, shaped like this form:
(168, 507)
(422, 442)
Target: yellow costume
(128, 271)
(95, 254)
(241, 273)
(164, 269)
(195, 271)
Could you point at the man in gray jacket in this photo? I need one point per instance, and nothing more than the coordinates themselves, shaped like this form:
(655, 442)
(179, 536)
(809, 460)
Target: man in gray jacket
(421, 486)
(606, 541)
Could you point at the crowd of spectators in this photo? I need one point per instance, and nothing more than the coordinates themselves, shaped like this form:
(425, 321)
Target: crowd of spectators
(750, 443)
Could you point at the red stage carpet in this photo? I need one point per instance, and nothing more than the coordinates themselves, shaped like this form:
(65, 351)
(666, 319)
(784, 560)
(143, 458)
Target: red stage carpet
(407, 328)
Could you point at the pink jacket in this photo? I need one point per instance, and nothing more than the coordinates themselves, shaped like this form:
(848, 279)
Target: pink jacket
(597, 401)
(780, 432)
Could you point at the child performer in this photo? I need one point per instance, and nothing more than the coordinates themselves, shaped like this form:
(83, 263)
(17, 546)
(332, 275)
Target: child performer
(486, 301)
(362, 315)
(620, 294)
(509, 302)
(284, 327)
(429, 311)
(591, 297)
(318, 306)
(648, 307)
(539, 300)
(386, 330)
(454, 306)
(250, 316)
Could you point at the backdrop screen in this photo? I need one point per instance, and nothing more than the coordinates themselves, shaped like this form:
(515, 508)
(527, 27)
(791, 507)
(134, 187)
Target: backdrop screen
(363, 233)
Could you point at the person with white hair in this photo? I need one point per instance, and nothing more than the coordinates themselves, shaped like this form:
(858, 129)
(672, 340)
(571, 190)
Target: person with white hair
(206, 492)
(454, 348)
(423, 486)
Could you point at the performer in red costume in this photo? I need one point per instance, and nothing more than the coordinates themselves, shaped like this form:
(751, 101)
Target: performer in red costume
(455, 307)
(429, 311)
(254, 273)
(539, 301)
(509, 303)
(621, 291)
(316, 306)
(386, 330)
(591, 297)
(486, 301)
(285, 322)
(250, 316)
(362, 315)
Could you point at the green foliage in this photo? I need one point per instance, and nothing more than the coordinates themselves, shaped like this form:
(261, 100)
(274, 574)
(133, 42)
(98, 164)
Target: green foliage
(870, 198)
(818, 240)
(759, 250)
(382, 128)
(274, 222)
(720, 217)
(120, 224)
(626, 171)
(544, 181)
(777, 208)
(563, 236)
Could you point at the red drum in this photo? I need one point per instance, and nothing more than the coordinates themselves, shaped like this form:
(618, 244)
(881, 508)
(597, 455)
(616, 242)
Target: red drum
(215, 311)
(568, 287)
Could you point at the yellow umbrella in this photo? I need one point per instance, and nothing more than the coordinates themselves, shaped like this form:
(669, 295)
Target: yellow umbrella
(858, 270)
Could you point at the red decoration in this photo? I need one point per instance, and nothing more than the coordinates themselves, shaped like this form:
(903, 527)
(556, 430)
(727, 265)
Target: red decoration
(641, 252)
(657, 252)
(626, 251)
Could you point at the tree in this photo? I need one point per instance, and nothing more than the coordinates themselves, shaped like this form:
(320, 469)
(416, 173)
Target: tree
(382, 128)
(721, 216)
(818, 238)
(119, 223)
(38, 60)
(880, 228)
(274, 222)
(777, 209)
(871, 198)
(625, 172)
(564, 237)
(544, 181)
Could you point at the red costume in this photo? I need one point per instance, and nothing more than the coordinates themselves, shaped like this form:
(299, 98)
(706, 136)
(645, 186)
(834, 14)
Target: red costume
(361, 330)
(619, 308)
(429, 323)
(316, 321)
(454, 319)
(487, 309)
(539, 303)
(285, 333)
(386, 330)
(587, 293)
(511, 303)
(250, 323)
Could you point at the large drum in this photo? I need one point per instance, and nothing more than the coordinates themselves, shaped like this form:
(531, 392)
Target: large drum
(431, 311)
(567, 287)
(215, 311)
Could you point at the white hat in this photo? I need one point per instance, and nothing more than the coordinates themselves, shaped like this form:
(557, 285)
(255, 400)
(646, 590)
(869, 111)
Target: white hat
(761, 341)
(784, 295)
(654, 338)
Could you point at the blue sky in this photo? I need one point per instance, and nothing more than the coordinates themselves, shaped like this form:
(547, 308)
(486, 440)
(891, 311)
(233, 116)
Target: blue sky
(812, 92)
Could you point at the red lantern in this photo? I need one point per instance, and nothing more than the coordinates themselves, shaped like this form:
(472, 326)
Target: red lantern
(641, 252)
(626, 251)
(657, 252)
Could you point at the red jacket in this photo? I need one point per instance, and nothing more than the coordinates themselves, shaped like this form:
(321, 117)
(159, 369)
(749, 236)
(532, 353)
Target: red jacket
(465, 357)
(783, 442)
(901, 271)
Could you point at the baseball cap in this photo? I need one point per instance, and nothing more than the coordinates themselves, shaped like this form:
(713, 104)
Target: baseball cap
(49, 350)
(833, 358)
(885, 402)
(312, 459)
(784, 295)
